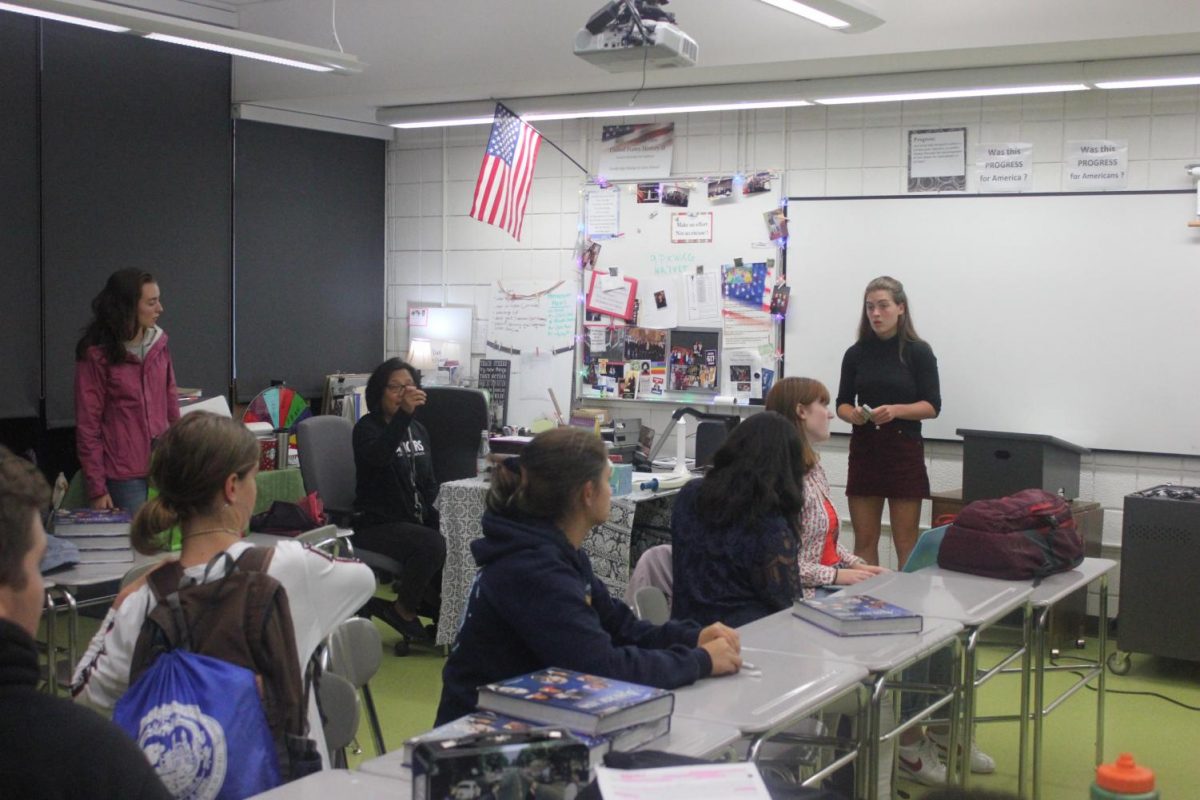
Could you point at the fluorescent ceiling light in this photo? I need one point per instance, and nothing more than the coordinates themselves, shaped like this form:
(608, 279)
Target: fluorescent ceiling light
(237, 51)
(175, 30)
(1145, 83)
(89, 23)
(674, 100)
(837, 15)
(951, 93)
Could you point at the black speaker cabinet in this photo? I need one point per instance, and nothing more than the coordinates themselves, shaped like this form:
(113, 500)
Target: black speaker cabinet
(997, 464)
(1158, 613)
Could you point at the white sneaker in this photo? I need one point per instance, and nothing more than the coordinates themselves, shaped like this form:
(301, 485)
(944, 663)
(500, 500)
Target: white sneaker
(981, 762)
(920, 763)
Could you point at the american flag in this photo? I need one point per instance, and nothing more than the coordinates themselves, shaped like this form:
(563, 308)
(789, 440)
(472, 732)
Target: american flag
(506, 173)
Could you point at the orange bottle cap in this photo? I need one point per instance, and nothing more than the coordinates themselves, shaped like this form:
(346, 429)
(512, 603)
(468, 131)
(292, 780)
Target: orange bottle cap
(1125, 776)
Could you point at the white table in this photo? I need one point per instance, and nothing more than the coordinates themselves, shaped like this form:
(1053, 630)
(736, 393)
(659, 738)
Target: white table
(976, 603)
(341, 784)
(884, 656)
(697, 738)
(764, 703)
(1046, 594)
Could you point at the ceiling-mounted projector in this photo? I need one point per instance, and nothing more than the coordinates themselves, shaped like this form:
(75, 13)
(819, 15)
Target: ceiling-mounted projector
(624, 35)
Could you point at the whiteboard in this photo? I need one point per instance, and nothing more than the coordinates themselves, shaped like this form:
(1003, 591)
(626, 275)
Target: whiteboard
(658, 244)
(1070, 315)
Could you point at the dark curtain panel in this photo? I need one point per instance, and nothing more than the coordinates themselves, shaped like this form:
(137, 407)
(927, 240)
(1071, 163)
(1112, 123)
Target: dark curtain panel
(20, 272)
(309, 217)
(137, 156)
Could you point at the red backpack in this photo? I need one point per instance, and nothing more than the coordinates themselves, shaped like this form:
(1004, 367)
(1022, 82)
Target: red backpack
(1030, 534)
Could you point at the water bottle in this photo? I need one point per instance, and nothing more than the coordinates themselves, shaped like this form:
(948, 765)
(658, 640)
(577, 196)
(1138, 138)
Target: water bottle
(1124, 780)
(482, 464)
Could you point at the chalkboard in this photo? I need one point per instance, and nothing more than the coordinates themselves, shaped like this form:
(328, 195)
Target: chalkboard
(1071, 315)
(494, 378)
(711, 243)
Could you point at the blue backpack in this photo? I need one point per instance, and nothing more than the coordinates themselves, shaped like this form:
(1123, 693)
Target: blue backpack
(216, 699)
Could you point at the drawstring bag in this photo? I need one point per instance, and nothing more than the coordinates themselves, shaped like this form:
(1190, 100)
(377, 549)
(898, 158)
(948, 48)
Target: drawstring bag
(200, 722)
(290, 519)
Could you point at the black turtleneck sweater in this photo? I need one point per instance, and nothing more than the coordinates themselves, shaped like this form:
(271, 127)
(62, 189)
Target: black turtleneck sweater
(52, 749)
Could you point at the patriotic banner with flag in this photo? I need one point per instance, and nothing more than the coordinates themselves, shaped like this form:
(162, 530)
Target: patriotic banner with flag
(506, 174)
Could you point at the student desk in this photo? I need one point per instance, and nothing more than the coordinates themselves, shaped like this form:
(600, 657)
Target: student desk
(610, 546)
(884, 656)
(342, 784)
(976, 603)
(1047, 595)
(786, 689)
(688, 737)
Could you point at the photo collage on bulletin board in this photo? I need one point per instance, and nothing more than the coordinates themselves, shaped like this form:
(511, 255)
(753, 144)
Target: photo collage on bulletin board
(683, 288)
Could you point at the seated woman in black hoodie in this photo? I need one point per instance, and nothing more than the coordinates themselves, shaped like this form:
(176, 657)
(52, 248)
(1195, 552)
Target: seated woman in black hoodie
(395, 491)
(536, 602)
(734, 533)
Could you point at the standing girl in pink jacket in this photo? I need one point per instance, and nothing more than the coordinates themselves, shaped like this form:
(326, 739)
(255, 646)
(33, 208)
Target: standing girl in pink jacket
(124, 390)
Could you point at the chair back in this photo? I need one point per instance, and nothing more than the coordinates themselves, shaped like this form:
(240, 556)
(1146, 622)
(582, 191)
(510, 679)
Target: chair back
(327, 460)
(339, 708)
(654, 568)
(136, 572)
(453, 416)
(651, 605)
(355, 651)
(925, 552)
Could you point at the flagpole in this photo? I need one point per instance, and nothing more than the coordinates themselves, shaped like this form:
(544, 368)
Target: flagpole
(549, 141)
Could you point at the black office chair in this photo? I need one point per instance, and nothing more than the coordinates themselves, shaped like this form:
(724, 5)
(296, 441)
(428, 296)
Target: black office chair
(326, 449)
(454, 417)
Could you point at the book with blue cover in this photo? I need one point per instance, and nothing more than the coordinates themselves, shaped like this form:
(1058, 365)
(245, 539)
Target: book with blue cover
(491, 722)
(589, 704)
(91, 522)
(857, 615)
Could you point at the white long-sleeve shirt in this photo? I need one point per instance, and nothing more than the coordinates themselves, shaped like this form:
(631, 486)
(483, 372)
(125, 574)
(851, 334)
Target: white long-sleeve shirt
(322, 592)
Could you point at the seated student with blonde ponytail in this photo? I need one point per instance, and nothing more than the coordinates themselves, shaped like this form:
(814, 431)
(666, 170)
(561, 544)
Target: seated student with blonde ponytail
(536, 602)
(204, 468)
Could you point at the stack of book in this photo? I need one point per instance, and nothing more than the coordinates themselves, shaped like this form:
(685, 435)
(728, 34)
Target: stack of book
(603, 713)
(102, 536)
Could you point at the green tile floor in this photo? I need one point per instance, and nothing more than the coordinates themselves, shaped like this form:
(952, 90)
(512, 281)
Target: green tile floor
(1165, 736)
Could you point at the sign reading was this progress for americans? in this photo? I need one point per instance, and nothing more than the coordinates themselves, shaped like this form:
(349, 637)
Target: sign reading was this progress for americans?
(1095, 164)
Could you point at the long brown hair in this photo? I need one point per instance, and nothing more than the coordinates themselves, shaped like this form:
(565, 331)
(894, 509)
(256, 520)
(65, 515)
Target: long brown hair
(789, 393)
(190, 464)
(114, 315)
(756, 473)
(548, 476)
(904, 327)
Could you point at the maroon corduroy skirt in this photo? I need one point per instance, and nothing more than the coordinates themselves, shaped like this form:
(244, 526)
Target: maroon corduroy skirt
(886, 462)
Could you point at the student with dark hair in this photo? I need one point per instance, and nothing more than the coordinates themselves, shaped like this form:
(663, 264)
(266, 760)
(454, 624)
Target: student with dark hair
(124, 389)
(536, 602)
(395, 491)
(204, 468)
(733, 532)
(48, 746)
(892, 372)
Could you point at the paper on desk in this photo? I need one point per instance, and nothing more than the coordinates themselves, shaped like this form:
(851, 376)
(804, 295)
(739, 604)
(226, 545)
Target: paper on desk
(693, 782)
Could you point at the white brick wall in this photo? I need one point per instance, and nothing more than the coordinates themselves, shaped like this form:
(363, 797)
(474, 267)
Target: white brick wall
(840, 150)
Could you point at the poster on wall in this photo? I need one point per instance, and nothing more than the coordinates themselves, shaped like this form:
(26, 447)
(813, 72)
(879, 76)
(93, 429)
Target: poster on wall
(1091, 164)
(694, 361)
(937, 160)
(636, 151)
(1004, 166)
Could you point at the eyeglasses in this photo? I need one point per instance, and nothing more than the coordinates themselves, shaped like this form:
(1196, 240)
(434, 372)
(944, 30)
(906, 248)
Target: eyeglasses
(397, 388)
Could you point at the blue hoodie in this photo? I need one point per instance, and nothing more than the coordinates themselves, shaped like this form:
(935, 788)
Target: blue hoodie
(537, 604)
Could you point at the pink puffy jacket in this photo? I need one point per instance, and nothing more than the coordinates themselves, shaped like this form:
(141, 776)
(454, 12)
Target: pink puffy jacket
(119, 410)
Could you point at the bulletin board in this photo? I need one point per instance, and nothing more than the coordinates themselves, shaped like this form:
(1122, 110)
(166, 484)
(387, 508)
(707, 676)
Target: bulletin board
(700, 262)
